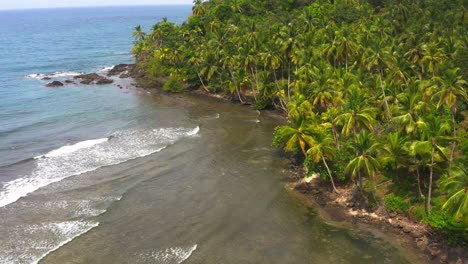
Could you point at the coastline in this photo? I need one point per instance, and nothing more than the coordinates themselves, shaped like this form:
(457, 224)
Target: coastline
(416, 241)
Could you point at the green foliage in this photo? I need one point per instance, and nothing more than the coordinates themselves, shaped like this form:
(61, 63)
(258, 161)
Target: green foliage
(456, 186)
(396, 204)
(173, 85)
(417, 212)
(373, 88)
(456, 233)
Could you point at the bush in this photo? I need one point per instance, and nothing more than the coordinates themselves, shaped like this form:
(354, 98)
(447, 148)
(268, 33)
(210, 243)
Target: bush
(456, 233)
(173, 85)
(417, 212)
(396, 204)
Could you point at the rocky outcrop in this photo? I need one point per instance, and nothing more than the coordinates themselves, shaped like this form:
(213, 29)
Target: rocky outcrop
(54, 84)
(123, 70)
(93, 78)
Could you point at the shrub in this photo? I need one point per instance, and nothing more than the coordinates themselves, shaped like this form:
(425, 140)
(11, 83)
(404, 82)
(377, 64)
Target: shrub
(396, 204)
(443, 223)
(173, 85)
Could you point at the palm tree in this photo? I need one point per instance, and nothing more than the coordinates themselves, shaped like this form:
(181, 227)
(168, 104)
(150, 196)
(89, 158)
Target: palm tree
(377, 58)
(139, 34)
(434, 130)
(321, 149)
(394, 151)
(449, 89)
(433, 56)
(365, 161)
(297, 135)
(412, 106)
(457, 188)
(198, 8)
(357, 115)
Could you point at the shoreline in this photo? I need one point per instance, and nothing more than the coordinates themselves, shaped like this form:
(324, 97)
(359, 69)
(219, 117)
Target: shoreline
(415, 241)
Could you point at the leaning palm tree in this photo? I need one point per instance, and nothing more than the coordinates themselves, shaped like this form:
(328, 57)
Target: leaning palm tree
(321, 149)
(297, 134)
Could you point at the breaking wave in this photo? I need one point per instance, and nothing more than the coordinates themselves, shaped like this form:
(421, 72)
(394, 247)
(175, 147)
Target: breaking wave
(90, 155)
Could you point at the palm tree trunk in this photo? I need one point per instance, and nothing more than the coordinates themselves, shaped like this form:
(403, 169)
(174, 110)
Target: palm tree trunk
(452, 150)
(389, 114)
(419, 182)
(235, 84)
(429, 193)
(203, 84)
(373, 189)
(329, 173)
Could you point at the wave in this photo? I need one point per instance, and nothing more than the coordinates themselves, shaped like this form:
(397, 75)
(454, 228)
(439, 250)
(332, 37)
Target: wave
(90, 155)
(41, 76)
(51, 236)
(69, 231)
(72, 148)
(105, 69)
(169, 255)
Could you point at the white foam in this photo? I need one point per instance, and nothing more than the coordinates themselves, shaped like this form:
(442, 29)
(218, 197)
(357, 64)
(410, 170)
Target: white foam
(47, 238)
(194, 131)
(72, 230)
(53, 75)
(105, 69)
(169, 255)
(90, 155)
(72, 148)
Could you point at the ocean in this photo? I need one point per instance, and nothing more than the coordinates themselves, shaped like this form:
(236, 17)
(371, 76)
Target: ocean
(109, 174)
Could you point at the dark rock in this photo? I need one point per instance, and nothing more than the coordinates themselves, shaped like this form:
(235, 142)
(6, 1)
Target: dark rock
(303, 187)
(55, 84)
(93, 78)
(406, 229)
(124, 75)
(88, 78)
(416, 233)
(104, 81)
(46, 78)
(118, 69)
(69, 81)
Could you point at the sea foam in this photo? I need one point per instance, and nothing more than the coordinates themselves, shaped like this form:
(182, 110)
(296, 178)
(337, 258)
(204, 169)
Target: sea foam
(90, 155)
(52, 75)
(72, 148)
(168, 255)
(49, 238)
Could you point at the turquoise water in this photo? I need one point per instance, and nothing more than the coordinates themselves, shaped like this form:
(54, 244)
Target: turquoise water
(103, 174)
(33, 118)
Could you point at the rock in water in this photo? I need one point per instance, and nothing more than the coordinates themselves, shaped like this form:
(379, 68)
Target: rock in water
(55, 84)
(104, 81)
(117, 69)
(93, 78)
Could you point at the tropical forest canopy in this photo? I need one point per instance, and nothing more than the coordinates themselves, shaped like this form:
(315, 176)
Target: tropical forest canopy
(374, 90)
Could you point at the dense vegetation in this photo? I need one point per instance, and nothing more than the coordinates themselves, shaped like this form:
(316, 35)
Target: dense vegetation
(374, 90)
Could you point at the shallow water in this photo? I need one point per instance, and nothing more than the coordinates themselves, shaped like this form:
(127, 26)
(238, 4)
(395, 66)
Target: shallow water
(215, 196)
(94, 174)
